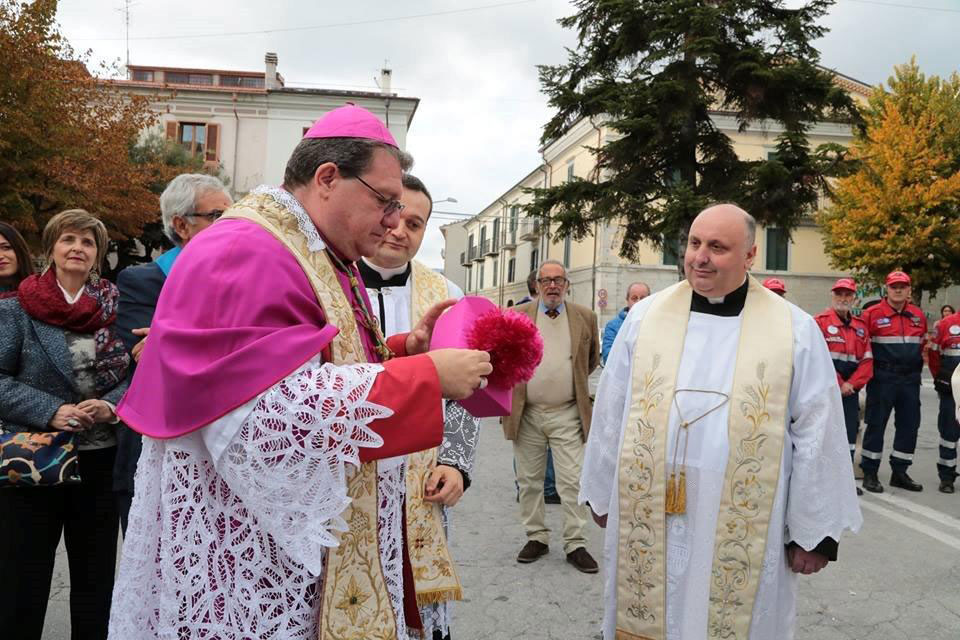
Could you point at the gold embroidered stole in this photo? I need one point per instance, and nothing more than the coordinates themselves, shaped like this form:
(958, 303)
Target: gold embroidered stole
(758, 410)
(355, 600)
(434, 574)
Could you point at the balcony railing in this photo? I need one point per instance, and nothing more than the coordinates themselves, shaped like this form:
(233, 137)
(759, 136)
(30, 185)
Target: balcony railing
(465, 259)
(478, 252)
(510, 239)
(531, 229)
(492, 247)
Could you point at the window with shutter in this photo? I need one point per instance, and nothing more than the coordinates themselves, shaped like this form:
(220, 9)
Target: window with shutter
(193, 138)
(213, 143)
(172, 130)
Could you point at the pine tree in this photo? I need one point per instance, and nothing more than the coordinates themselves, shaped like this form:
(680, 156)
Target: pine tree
(901, 208)
(656, 71)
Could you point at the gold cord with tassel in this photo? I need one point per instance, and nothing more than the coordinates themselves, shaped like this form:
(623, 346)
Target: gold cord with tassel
(676, 499)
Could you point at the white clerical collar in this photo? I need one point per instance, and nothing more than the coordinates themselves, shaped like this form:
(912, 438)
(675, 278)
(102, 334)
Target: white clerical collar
(386, 272)
(66, 295)
(721, 299)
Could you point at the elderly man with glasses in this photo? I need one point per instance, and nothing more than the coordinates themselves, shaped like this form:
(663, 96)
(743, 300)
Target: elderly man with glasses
(553, 410)
(189, 204)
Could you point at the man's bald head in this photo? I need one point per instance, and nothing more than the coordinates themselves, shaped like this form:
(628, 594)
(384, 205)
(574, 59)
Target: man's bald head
(730, 214)
(720, 249)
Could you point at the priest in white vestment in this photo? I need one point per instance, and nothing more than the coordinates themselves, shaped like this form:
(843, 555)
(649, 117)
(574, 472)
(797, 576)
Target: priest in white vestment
(718, 460)
(401, 291)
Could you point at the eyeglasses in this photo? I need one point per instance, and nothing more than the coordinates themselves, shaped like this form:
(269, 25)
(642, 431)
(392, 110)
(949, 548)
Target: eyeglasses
(212, 216)
(389, 205)
(559, 281)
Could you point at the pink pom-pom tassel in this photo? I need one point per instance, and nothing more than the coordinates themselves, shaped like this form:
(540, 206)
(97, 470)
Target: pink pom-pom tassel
(514, 345)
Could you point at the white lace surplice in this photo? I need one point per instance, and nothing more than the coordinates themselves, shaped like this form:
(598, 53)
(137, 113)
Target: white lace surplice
(229, 525)
(820, 501)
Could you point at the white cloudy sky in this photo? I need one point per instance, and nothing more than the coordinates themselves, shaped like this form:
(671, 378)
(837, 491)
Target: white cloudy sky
(472, 63)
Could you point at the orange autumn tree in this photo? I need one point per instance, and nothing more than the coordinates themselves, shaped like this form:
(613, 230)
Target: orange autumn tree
(900, 209)
(65, 138)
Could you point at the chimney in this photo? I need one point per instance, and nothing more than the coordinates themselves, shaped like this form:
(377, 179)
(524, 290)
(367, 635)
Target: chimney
(385, 75)
(270, 77)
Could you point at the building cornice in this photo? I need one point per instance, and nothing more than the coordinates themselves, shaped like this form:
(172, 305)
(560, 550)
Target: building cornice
(582, 127)
(727, 121)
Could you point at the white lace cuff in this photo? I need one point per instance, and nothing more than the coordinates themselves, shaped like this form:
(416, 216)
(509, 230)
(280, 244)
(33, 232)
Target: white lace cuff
(286, 460)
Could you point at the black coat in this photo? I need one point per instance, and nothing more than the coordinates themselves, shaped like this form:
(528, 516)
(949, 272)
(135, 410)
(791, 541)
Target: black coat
(140, 287)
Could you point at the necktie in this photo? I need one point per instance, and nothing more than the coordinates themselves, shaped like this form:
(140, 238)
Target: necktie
(553, 313)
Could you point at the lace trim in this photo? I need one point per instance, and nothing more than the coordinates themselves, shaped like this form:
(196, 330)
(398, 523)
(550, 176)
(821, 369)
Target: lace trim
(392, 490)
(460, 431)
(234, 552)
(285, 199)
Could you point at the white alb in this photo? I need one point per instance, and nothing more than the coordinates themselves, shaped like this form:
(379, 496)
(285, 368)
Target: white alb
(815, 496)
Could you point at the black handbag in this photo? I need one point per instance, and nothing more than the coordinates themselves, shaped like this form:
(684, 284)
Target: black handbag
(38, 459)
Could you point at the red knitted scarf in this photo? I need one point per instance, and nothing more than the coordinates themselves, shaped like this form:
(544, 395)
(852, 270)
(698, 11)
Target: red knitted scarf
(41, 297)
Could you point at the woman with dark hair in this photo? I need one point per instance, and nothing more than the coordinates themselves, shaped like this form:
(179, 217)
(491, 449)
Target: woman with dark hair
(15, 261)
(62, 369)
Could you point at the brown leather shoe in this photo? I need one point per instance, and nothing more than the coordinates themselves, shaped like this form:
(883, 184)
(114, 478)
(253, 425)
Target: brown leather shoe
(532, 551)
(582, 560)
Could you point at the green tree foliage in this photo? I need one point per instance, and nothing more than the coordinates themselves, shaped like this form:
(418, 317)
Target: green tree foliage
(900, 209)
(656, 72)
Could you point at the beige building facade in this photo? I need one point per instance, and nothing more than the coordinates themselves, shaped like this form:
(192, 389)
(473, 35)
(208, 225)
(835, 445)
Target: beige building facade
(499, 245)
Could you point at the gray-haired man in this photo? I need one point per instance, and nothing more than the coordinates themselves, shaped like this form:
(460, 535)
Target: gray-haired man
(189, 204)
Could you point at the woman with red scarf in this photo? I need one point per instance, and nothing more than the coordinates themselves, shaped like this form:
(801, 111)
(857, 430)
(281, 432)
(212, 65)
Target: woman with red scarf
(62, 368)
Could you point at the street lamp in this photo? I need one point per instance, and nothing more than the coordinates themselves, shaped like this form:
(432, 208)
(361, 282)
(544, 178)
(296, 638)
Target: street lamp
(454, 200)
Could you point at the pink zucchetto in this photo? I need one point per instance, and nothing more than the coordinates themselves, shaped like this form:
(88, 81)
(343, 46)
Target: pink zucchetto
(351, 121)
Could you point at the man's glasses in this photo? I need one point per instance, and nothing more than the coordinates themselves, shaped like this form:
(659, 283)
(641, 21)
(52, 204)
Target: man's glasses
(559, 281)
(389, 205)
(212, 216)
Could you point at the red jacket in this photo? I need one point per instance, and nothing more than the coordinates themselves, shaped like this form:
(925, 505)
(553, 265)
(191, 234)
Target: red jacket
(896, 340)
(849, 346)
(944, 353)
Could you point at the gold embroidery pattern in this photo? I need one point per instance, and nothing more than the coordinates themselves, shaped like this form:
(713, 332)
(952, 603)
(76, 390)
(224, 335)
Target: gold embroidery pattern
(641, 476)
(753, 471)
(731, 572)
(641, 549)
(427, 289)
(355, 603)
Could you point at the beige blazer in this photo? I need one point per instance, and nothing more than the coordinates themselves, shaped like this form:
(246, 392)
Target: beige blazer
(585, 346)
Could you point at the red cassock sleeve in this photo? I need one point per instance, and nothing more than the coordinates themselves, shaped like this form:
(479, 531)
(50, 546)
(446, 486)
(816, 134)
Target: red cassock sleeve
(410, 387)
(398, 344)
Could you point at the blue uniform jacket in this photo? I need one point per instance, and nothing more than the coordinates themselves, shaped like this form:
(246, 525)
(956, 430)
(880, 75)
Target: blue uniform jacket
(610, 333)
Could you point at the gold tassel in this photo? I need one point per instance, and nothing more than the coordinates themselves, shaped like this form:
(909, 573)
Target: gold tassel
(440, 595)
(680, 503)
(671, 493)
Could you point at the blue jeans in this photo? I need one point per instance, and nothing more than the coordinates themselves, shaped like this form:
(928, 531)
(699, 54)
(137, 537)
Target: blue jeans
(549, 480)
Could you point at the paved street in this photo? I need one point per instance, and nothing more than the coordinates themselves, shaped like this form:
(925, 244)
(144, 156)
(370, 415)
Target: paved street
(898, 579)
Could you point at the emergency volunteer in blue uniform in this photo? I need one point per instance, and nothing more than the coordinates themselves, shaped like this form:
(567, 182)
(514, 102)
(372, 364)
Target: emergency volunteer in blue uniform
(943, 358)
(897, 329)
(849, 346)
